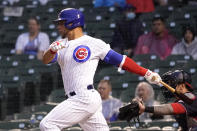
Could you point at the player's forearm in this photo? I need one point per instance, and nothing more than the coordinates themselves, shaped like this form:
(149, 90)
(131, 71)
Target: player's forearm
(165, 109)
(133, 67)
(48, 56)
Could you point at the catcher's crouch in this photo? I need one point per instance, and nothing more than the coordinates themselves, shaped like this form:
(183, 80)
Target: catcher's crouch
(185, 114)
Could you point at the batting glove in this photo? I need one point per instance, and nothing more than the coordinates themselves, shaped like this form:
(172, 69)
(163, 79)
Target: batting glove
(57, 45)
(152, 77)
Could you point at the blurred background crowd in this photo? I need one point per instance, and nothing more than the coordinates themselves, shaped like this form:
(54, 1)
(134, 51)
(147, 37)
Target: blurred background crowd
(157, 34)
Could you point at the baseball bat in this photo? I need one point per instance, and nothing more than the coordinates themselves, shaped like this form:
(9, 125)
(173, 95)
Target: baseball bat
(168, 87)
(178, 94)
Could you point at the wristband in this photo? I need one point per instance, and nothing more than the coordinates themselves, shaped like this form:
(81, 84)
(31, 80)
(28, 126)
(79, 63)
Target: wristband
(52, 52)
(149, 109)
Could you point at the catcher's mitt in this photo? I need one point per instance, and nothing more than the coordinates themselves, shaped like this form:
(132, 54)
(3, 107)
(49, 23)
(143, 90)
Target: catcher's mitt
(129, 111)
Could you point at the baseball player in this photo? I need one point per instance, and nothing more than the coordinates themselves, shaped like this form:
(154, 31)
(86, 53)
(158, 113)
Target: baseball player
(78, 59)
(185, 113)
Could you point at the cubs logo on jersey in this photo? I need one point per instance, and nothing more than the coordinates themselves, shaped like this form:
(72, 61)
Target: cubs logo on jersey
(81, 53)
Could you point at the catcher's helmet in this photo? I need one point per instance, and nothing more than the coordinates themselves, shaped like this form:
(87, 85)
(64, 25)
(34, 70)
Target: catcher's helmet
(73, 18)
(173, 78)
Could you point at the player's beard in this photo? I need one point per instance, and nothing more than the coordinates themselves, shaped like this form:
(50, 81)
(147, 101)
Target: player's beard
(66, 33)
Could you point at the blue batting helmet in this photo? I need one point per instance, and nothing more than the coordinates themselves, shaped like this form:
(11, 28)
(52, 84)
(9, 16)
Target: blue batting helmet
(73, 18)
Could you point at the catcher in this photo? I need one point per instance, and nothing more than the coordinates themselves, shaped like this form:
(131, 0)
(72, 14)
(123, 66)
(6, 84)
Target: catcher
(185, 113)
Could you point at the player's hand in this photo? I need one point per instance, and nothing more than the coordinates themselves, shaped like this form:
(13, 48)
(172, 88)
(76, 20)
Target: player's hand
(141, 104)
(152, 77)
(57, 45)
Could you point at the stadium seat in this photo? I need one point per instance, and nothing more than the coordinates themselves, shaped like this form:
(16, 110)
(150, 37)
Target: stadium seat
(23, 58)
(42, 108)
(18, 116)
(179, 19)
(165, 11)
(194, 83)
(129, 128)
(147, 17)
(115, 128)
(15, 124)
(121, 124)
(191, 64)
(9, 63)
(130, 78)
(3, 101)
(31, 80)
(40, 115)
(181, 60)
(168, 128)
(6, 51)
(146, 60)
(162, 124)
(128, 94)
(108, 73)
(34, 129)
(119, 88)
(190, 8)
(57, 96)
(16, 90)
(48, 76)
(164, 64)
(154, 128)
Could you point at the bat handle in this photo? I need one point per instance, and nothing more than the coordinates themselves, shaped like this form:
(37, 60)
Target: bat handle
(168, 87)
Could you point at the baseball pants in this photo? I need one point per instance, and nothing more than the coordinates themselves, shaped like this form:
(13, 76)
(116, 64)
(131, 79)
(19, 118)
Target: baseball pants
(85, 110)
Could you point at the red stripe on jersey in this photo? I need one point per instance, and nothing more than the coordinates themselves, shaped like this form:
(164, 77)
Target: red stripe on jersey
(178, 108)
(133, 67)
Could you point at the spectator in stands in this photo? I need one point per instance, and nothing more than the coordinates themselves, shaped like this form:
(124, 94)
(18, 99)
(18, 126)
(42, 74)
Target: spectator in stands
(142, 6)
(109, 3)
(178, 3)
(145, 91)
(161, 2)
(33, 42)
(42, 2)
(188, 45)
(158, 41)
(127, 32)
(11, 2)
(110, 105)
(192, 2)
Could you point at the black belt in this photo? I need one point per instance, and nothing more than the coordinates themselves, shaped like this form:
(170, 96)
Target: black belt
(89, 87)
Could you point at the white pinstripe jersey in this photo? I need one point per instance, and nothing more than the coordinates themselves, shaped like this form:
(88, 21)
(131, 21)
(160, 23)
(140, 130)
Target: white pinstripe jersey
(79, 60)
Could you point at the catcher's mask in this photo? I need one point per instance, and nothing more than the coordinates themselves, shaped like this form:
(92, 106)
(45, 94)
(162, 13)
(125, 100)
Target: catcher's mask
(173, 78)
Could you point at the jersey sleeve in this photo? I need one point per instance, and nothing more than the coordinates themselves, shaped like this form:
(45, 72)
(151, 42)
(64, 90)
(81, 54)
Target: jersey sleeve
(101, 49)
